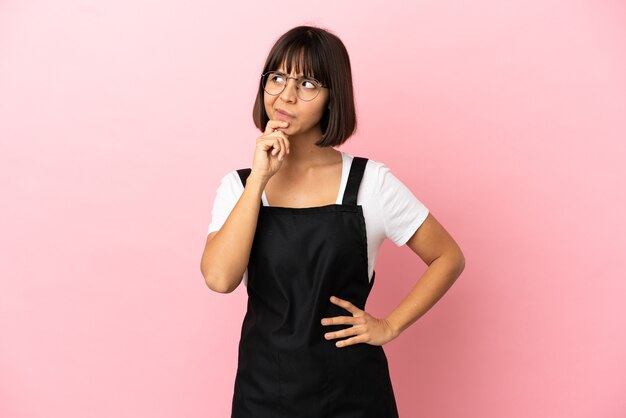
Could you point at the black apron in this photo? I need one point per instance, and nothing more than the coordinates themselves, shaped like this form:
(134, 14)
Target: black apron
(286, 368)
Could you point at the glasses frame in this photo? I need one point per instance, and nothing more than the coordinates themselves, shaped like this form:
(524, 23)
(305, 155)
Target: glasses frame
(297, 87)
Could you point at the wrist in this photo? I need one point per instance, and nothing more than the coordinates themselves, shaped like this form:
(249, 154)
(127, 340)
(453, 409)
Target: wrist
(393, 330)
(256, 180)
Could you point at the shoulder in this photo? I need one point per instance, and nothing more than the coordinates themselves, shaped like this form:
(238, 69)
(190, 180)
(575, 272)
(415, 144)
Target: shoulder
(371, 166)
(230, 187)
(232, 180)
(374, 170)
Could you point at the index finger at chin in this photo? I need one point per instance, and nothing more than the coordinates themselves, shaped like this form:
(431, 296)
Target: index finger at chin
(272, 126)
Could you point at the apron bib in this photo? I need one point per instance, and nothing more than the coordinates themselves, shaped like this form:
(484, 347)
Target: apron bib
(286, 368)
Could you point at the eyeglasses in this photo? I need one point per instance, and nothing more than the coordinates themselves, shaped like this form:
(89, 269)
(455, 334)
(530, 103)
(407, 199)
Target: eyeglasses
(307, 88)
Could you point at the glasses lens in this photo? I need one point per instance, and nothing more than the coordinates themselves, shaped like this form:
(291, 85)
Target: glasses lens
(274, 83)
(308, 88)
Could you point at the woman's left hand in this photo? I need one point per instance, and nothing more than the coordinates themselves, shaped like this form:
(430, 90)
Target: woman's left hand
(365, 328)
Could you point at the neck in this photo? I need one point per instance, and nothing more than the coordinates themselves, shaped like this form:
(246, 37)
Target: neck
(304, 154)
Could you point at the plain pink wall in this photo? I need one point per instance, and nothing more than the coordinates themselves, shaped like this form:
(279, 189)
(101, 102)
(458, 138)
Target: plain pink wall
(118, 119)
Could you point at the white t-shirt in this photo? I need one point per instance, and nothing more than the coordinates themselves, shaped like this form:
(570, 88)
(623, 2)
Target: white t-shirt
(390, 209)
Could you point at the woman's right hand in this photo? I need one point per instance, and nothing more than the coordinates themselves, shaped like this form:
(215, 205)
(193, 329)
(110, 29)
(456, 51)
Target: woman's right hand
(271, 148)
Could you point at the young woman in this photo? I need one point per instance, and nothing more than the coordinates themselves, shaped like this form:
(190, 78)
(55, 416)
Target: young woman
(301, 228)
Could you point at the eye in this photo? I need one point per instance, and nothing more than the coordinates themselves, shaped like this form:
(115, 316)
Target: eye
(309, 84)
(277, 77)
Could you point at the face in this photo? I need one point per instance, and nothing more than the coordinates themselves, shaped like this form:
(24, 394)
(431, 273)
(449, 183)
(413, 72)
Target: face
(306, 114)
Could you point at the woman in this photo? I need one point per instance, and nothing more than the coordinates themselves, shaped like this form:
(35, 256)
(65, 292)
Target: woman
(301, 228)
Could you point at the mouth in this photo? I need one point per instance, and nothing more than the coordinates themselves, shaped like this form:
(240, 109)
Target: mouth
(284, 115)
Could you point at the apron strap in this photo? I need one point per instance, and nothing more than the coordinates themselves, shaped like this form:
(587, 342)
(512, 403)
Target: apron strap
(354, 180)
(243, 175)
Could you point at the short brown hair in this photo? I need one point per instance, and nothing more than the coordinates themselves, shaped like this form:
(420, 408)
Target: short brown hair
(322, 55)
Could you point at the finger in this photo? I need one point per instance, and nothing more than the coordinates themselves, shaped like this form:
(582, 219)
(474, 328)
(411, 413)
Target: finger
(286, 143)
(351, 341)
(342, 333)
(345, 304)
(278, 134)
(276, 147)
(339, 320)
(284, 147)
(274, 124)
(277, 138)
(268, 142)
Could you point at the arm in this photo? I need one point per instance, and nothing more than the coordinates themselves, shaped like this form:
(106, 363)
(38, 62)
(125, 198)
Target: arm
(227, 250)
(432, 243)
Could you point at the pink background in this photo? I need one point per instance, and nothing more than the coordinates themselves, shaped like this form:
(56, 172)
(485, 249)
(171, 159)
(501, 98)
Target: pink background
(118, 119)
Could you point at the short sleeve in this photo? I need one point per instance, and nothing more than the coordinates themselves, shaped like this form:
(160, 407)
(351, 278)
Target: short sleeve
(403, 212)
(226, 198)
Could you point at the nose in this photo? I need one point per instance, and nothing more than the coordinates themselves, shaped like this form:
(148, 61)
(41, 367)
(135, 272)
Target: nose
(289, 94)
